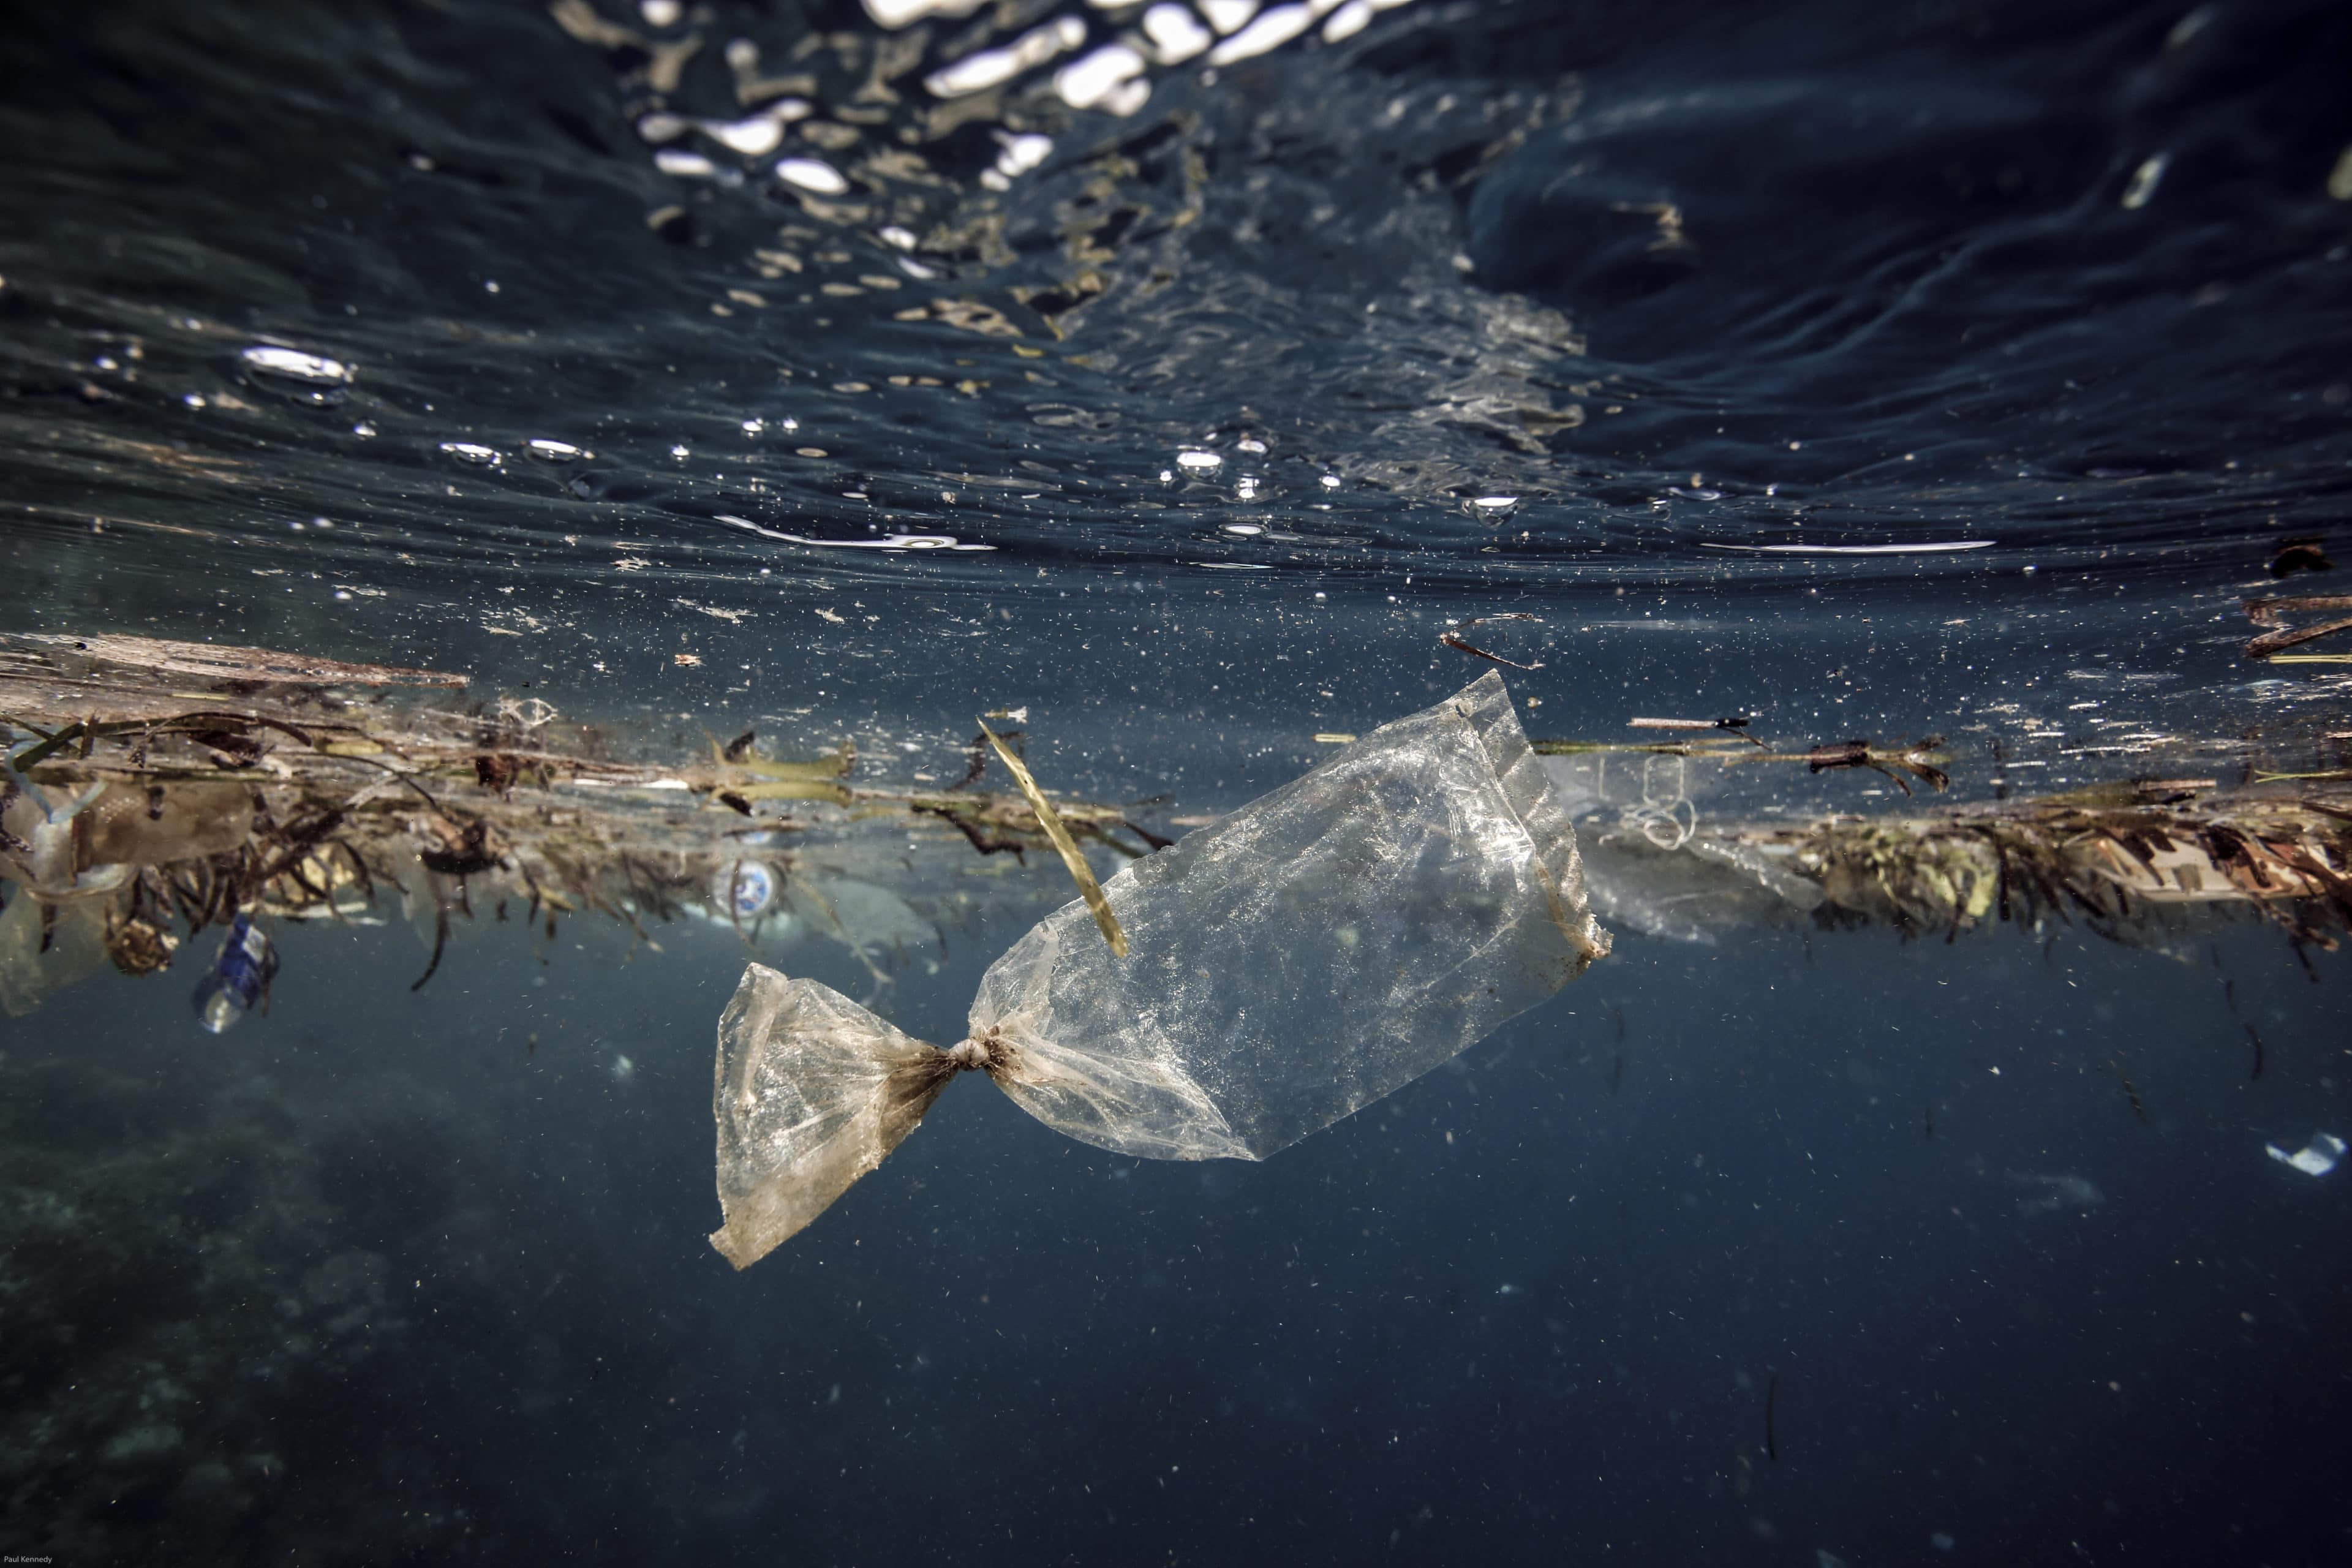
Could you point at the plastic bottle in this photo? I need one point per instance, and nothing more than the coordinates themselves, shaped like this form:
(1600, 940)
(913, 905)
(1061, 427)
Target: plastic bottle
(749, 886)
(238, 975)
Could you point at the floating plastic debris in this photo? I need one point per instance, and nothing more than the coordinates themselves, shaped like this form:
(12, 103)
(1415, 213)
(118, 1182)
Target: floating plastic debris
(473, 452)
(745, 889)
(240, 974)
(45, 948)
(2055, 1193)
(539, 446)
(1305, 956)
(1200, 462)
(2315, 1158)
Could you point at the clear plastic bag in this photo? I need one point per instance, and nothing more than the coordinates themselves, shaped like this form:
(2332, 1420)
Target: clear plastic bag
(1315, 950)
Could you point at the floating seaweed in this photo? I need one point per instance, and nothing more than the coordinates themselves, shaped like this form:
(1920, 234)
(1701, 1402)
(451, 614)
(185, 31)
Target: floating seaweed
(146, 802)
(169, 791)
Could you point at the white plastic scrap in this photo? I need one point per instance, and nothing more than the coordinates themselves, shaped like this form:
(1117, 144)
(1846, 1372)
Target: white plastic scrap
(2315, 1158)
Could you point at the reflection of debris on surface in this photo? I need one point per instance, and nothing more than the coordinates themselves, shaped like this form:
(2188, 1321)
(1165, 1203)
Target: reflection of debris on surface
(154, 785)
(2300, 556)
(2315, 1158)
(2268, 613)
(1919, 760)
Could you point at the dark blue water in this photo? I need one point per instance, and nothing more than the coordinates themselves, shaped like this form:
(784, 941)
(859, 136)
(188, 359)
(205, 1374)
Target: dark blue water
(1792, 1245)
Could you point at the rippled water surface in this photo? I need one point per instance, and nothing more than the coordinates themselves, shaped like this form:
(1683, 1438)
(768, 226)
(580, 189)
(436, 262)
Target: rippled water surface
(1204, 382)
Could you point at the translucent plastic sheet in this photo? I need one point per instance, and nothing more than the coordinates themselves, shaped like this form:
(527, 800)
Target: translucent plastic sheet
(1309, 954)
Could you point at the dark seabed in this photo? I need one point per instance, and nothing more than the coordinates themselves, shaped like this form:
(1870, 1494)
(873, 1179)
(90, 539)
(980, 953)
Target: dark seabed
(1184, 387)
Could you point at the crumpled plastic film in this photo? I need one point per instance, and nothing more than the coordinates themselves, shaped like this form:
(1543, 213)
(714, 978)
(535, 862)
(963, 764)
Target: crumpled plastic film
(812, 1091)
(2317, 1158)
(1313, 951)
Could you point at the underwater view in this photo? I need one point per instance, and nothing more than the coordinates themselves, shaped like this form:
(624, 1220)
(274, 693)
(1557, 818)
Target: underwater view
(1623, 732)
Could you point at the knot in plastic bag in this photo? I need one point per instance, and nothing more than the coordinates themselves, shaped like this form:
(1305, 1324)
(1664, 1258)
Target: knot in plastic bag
(977, 1054)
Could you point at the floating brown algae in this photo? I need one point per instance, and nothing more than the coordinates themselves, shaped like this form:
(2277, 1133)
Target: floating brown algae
(165, 802)
(165, 791)
(2119, 861)
(1301, 958)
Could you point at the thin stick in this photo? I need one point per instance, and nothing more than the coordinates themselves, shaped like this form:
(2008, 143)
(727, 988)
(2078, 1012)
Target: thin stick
(1080, 872)
(1453, 640)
